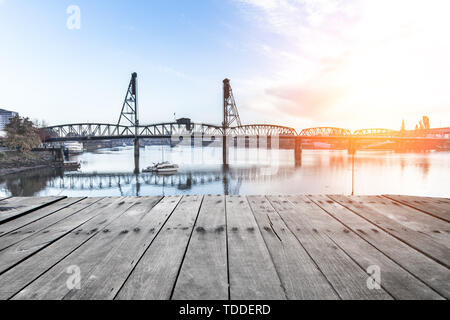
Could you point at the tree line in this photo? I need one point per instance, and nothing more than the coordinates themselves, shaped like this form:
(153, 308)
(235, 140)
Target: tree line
(22, 135)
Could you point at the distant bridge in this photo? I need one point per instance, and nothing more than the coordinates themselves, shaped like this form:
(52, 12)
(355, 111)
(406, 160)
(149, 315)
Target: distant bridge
(325, 132)
(128, 127)
(100, 131)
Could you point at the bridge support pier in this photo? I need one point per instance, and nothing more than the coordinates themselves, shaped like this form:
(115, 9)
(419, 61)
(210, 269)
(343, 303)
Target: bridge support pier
(401, 146)
(298, 149)
(225, 150)
(351, 146)
(136, 155)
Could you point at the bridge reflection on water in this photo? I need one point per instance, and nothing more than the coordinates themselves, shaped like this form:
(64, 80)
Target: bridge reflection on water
(230, 179)
(109, 173)
(130, 184)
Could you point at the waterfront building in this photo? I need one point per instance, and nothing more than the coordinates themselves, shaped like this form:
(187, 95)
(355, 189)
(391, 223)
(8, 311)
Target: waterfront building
(5, 116)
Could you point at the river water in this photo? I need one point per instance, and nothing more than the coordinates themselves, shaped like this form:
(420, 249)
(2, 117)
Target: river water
(109, 172)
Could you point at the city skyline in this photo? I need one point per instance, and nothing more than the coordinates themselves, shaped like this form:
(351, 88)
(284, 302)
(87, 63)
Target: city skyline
(302, 63)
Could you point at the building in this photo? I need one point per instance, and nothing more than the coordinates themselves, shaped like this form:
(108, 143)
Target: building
(5, 116)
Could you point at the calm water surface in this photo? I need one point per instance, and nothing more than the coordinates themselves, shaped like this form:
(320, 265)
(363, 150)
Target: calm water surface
(109, 172)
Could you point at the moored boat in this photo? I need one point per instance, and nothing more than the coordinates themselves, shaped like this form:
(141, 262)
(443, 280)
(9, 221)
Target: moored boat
(163, 167)
(74, 147)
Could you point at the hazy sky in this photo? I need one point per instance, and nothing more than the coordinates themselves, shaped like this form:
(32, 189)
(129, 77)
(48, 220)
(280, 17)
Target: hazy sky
(301, 63)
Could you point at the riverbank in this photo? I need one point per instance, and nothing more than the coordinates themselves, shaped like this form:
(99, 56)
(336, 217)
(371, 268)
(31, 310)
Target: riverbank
(12, 162)
(8, 171)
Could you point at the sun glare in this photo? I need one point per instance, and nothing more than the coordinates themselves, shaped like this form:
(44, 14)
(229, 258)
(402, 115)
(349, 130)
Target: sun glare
(390, 63)
(401, 63)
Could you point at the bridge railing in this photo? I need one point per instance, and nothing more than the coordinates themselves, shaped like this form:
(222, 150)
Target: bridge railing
(87, 131)
(325, 132)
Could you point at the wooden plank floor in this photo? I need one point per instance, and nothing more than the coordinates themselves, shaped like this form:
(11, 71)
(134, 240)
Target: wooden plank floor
(225, 248)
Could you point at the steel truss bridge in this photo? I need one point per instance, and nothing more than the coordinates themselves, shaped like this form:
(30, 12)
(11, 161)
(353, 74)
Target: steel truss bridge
(100, 131)
(128, 127)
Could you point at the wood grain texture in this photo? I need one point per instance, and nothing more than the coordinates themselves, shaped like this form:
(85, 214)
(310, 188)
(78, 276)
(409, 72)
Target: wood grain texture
(415, 239)
(436, 207)
(42, 223)
(252, 272)
(423, 267)
(204, 273)
(224, 247)
(16, 207)
(413, 219)
(45, 237)
(399, 282)
(155, 275)
(347, 278)
(16, 224)
(299, 274)
(103, 212)
(108, 276)
(90, 254)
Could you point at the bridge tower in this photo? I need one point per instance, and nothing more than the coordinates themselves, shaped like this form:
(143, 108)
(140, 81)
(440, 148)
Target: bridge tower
(129, 116)
(230, 111)
(230, 116)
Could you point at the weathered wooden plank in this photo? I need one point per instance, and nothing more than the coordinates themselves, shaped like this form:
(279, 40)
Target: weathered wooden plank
(422, 199)
(252, 274)
(412, 218)
(347, 278)
(13, 208)
(103, 212)
(437, 207)
(21, 250)
(299, 274)
(108, 277)
(155, 275)
(204, 273)
(52, 285)
(109, 258)
(22, 221)
(424, 268)
(30, 245)
(417, 240)
(50, 218)
(13, 200)
(396, 280)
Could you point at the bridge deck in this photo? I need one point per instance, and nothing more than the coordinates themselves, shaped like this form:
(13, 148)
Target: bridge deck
(224, 247)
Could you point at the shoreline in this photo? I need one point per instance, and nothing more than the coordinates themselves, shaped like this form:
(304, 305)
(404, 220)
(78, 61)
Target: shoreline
(12, 162)
(9, 171)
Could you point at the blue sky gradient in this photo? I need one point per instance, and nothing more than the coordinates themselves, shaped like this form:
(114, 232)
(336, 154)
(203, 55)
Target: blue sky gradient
(289, 61)
(180, 49)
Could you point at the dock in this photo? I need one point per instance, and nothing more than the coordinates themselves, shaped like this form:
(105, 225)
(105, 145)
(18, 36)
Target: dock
(216, 247)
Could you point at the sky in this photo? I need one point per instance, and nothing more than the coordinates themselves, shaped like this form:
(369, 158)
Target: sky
(301, 63)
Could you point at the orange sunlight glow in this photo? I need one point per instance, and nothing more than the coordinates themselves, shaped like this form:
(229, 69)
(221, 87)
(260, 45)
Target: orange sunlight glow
(362, 64)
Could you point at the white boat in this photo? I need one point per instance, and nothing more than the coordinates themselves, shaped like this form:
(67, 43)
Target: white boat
(74, 147)
(163, 167)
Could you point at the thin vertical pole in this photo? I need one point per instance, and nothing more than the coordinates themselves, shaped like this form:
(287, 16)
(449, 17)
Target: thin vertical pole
(298, 152)
(136, 123)
(226, 93)
(353, 173)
